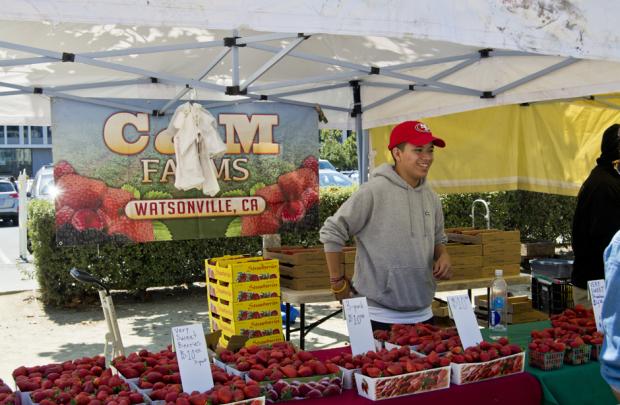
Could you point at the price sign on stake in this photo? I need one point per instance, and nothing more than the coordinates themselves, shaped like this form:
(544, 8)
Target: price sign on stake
(597, 294)
(358, 325)
(465, 320)
(192, 356)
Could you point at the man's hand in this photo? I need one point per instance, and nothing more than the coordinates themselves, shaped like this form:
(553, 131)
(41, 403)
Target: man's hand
(442, 269)
(346, 292)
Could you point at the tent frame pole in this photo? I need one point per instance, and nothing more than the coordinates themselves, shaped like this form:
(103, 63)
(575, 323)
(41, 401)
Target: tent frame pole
(205, 72)
(271, 62)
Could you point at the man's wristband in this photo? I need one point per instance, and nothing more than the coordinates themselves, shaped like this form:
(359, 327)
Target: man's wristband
(344, 287)
(334, 280)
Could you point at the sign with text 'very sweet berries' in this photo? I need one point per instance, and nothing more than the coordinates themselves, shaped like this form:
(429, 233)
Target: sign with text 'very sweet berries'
(194, 366)
(115, 173)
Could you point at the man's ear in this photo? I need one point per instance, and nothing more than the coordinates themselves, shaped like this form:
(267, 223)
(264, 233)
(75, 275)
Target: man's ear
(396, 154)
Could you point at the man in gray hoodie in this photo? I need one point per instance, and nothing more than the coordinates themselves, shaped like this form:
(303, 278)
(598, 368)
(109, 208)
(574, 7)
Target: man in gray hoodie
(398, 224)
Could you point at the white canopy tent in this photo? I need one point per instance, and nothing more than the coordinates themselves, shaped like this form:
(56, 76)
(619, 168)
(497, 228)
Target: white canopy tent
(365, 63)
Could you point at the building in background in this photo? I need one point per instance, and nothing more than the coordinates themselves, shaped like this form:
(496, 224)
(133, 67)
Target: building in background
(24, 147)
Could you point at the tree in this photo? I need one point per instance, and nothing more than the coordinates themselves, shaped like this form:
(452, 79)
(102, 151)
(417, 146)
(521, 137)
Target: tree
(342, 155)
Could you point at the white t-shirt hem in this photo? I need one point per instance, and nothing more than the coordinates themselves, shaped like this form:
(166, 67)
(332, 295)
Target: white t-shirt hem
(386, 315)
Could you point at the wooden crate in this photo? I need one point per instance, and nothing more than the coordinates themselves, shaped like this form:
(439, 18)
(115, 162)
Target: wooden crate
(304, 270)
(494, 249)
(538, 249)
(296, 255)
(484, 236)
(440, 309)
(313, 283)
(466, 272)
(460, 249)
(509, 270)
(516, 304)
(499, 260)
(466, 261)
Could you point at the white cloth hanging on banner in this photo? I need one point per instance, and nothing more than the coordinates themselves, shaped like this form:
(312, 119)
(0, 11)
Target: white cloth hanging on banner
(196, 143)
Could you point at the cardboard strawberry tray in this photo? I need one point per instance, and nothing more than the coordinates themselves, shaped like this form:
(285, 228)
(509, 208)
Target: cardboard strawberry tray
(380, 388)
(286, 389)
(348, 377)
(465, 373)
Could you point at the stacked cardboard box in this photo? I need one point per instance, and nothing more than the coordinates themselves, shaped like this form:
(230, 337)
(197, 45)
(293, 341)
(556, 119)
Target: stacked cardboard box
(519, 309)
(244, 298)
(499, 250)
(306, 268)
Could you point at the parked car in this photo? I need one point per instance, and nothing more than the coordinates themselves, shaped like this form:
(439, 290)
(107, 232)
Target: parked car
(326, 164)
(9, 201)
(352, 174)
(43, 187)
(332, 178)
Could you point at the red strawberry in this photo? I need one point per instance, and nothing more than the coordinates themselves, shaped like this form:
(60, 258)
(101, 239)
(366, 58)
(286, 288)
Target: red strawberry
(293, 184)
(312, 163)
(308, 177)
(61, 168)
(80, 192)
(107, 221)
(64, 215)
(309, 197)
(265, 223)
(114, 201)
(293, 211)
(86, 219)
(122, 226)
(143, 231)
(271, 194)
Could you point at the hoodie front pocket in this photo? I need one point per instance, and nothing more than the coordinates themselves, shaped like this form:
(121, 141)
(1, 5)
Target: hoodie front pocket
(408, 288)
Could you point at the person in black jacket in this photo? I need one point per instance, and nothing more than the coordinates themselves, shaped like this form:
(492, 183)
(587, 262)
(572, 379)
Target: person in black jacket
(597, 216)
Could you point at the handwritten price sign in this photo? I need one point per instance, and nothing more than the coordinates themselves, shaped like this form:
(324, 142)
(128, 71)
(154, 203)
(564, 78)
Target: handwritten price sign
(191, 349)
(358, 325)
(597, 295)
(466, 324)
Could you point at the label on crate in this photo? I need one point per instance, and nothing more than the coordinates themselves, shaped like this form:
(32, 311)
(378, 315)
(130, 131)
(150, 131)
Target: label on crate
(239, 292)
(240, 270)
(597, 295)
(358, 325)
(266, 326)
(191, 348)
(465, 319)
(242, 311)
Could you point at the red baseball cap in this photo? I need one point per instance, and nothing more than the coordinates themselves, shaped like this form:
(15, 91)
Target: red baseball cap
(415, 133)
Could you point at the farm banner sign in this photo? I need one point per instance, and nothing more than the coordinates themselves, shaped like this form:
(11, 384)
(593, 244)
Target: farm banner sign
(114, 175)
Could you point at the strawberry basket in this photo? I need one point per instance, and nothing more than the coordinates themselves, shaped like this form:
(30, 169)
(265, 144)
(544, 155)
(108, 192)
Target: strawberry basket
(546, 361)
(577, 355)
(595, 351)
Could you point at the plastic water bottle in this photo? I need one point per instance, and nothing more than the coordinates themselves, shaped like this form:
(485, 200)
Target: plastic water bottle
(498, 322)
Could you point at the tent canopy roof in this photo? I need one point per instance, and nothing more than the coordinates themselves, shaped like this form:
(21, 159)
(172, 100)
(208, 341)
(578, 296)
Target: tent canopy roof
(410, 61)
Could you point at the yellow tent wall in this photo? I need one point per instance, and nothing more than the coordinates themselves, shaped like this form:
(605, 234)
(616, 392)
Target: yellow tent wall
(546, 147)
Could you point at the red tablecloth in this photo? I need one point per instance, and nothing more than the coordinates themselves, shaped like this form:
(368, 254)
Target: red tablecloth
(519, 389)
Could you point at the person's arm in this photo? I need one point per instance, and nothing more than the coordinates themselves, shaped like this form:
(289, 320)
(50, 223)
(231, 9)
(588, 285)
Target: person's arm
(442, 269)
(340, 284)
(350, 218)
(610, 355)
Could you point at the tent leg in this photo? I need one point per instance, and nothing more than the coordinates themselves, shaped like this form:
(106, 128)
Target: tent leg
(362, 149)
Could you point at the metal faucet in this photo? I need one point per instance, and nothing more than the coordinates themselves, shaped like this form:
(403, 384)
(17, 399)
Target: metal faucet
(487, 216)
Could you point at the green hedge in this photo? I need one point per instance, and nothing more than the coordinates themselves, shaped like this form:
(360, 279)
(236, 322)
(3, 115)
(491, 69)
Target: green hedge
(539, 216)
(138, 267)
